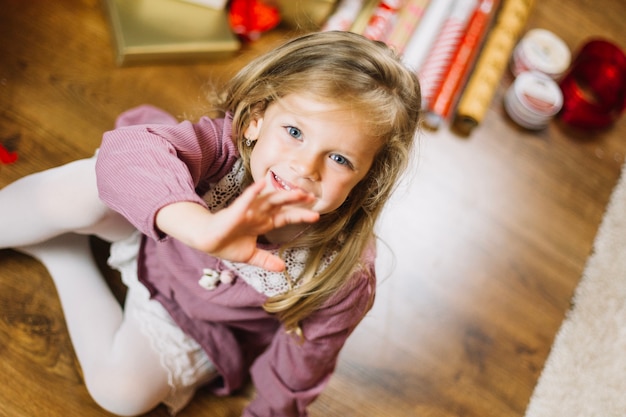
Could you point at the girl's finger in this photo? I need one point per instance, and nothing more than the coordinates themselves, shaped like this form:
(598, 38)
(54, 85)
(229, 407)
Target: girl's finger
(266, 260)
(295, 215)
(284, 198)
(251, 193)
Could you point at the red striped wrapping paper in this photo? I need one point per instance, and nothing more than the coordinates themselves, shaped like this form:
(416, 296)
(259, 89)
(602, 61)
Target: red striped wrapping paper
(422, 40)
(408, 19)
(446, 43)
(445, 95)
(382, 20)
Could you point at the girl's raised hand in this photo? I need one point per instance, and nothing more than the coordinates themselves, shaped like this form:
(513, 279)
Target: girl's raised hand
(232, 233)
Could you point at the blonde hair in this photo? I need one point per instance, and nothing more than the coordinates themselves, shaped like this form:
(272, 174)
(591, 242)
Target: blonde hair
(367, 77)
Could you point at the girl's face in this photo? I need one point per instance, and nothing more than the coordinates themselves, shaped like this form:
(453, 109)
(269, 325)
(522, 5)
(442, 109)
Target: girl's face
(320, 147)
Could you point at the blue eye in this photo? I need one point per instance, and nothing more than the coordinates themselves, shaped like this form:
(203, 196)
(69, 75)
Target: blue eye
(340, 160)
(294, 132)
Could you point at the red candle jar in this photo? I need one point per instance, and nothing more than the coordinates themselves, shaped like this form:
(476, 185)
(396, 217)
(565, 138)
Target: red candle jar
(594, 88)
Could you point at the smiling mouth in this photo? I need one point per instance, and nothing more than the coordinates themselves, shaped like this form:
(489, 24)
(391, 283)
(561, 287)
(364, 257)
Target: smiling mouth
(282, 183)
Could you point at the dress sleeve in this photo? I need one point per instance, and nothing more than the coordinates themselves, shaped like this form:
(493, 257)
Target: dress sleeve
(291, 373)
(143, 167)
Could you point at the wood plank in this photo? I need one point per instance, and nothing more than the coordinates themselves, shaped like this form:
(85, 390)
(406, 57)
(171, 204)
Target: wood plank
(490, 236)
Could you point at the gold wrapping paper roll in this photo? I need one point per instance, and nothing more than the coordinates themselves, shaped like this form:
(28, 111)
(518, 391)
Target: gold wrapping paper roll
(491, 64)
(359, 25)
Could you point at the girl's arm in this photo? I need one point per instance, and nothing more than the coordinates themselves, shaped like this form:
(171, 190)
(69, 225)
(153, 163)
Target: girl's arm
(232, 232)
(144, 167)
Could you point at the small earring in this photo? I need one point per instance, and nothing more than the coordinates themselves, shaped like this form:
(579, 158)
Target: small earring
(248, 141)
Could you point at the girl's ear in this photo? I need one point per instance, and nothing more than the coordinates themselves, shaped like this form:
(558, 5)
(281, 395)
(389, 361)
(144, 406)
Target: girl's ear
(253, 130)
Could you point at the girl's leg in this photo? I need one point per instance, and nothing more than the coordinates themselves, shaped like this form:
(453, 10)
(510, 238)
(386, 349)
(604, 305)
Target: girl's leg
(122, 371)
(56, 201)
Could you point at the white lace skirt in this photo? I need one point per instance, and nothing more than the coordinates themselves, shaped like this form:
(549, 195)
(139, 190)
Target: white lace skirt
(187, 365)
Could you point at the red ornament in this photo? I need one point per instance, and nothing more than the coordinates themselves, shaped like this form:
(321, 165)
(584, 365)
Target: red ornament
(249, 18)
(594, 89)
(7, 156)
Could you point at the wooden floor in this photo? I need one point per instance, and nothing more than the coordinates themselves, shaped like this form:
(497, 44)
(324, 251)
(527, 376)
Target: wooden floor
(490, 237)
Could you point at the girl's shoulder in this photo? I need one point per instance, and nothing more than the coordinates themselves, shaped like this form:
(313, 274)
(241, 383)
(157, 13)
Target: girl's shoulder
(158, 119)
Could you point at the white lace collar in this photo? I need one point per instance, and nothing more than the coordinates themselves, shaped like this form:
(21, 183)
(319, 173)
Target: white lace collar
(220, 195)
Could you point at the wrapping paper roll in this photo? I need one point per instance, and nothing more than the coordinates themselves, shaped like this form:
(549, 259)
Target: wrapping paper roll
(408, 19)
(491, 64)
(366, 12)
(344, 16)
(446, 95)
(382, 20)
(438, 61)
(424, 36)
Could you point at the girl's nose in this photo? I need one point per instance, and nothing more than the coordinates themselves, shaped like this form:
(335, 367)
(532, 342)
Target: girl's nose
(306, 166)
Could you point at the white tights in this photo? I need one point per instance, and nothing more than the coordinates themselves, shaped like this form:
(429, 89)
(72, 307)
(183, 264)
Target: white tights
(48, 215)
(65, 199)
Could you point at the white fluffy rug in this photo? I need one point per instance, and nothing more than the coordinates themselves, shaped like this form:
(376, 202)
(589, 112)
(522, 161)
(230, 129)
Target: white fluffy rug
(585, 374)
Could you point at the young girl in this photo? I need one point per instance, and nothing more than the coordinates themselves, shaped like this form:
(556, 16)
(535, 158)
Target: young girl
(246, 241)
